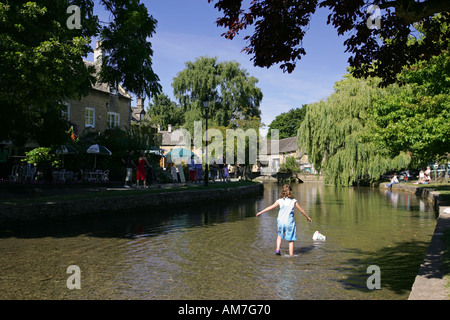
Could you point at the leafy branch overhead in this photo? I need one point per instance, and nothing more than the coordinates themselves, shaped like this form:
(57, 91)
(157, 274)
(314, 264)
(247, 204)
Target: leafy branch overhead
(128, 59)
(281, 25)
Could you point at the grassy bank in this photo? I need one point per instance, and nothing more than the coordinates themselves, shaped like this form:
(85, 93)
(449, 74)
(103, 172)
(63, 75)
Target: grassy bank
(104, 192)
(442, 188)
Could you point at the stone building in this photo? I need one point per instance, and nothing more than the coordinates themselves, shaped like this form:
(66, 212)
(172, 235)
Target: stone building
(104, 107)
(138, 113)
(287, 147)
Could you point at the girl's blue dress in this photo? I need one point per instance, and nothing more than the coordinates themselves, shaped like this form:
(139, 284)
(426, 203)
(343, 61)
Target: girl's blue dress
(285, 220)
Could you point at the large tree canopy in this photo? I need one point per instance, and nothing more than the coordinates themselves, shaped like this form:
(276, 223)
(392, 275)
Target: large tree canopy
(41, 60)
(163, 112)
(280, 27)
(232, 93)
(287, 123)
(415, 117)
(334, 135)
(129, 54)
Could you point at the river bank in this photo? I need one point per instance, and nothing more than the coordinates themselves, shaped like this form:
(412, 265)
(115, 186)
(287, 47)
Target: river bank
(101, 200)
(430, 282)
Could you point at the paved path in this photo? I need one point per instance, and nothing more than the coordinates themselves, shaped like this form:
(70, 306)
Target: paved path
(430, 283)
(24, 191)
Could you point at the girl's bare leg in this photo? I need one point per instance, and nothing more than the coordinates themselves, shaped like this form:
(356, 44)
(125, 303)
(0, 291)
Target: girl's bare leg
(291, 248)
(278, 243)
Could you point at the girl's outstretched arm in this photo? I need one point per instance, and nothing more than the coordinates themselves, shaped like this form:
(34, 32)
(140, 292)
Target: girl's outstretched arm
(303, 212)
(268, 208)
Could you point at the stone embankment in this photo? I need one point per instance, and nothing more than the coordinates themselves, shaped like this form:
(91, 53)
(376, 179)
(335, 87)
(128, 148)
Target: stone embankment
(430, 283)
(426, 193)
(111, 203)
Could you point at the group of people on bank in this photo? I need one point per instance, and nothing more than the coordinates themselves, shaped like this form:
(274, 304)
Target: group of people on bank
(141, 169)
(219, 171)
(423, 178)
(144, 169)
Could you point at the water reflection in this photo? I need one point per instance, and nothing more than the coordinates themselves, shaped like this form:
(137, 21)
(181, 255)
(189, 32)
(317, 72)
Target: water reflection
(222, 251)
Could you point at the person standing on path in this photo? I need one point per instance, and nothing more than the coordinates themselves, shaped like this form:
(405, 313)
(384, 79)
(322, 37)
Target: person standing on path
(140, 173)
(285, 221)
(128, 161)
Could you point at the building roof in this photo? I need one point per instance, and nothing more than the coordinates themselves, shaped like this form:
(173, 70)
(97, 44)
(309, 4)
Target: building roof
(171, 138)
(285, 145)
(288, 145)
(136, 114)
(104, 87)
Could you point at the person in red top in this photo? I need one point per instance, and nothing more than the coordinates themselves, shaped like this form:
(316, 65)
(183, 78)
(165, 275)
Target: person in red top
(140, 173)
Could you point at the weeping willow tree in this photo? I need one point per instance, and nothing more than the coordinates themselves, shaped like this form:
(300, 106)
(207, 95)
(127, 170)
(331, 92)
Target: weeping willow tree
(338, 142)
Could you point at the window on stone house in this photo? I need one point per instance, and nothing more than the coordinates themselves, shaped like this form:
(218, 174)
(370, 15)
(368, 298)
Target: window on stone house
(89, 117)
(113, 119)
(65, 111)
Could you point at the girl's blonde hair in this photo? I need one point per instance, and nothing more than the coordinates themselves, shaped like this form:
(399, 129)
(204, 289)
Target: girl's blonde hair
(286, 192)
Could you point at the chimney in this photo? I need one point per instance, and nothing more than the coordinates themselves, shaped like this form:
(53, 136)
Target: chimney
(169, 128)
(98, 53)
(140, 103)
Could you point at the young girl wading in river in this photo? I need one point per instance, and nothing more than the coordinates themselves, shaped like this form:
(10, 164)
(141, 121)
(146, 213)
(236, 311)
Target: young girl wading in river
(285, 221)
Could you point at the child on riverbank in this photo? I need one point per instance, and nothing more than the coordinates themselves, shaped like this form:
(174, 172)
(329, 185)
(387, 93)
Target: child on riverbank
(285, 221)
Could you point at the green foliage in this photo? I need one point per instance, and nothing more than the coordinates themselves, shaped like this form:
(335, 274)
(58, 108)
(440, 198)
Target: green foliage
(40, 63)
(335, 134)
(233, 99)
(415, 117)
(278, 28)
(290, 166)
(41, 156)
(163, 111)
(129, 54)
(287, 123)
(244, 127)
(230, 90)
(119, 141)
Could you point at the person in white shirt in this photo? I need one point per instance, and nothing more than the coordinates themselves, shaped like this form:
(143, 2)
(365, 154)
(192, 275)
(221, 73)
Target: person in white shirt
(394, 180)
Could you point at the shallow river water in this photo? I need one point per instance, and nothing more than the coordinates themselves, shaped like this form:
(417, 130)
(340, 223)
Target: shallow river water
(222, 251)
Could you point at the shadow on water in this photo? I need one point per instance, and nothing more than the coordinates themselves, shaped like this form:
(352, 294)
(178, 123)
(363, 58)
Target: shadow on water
(305, 249)
(142, 222)
(399, 263)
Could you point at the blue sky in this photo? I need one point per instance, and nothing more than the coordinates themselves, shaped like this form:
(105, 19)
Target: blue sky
(186, 30)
